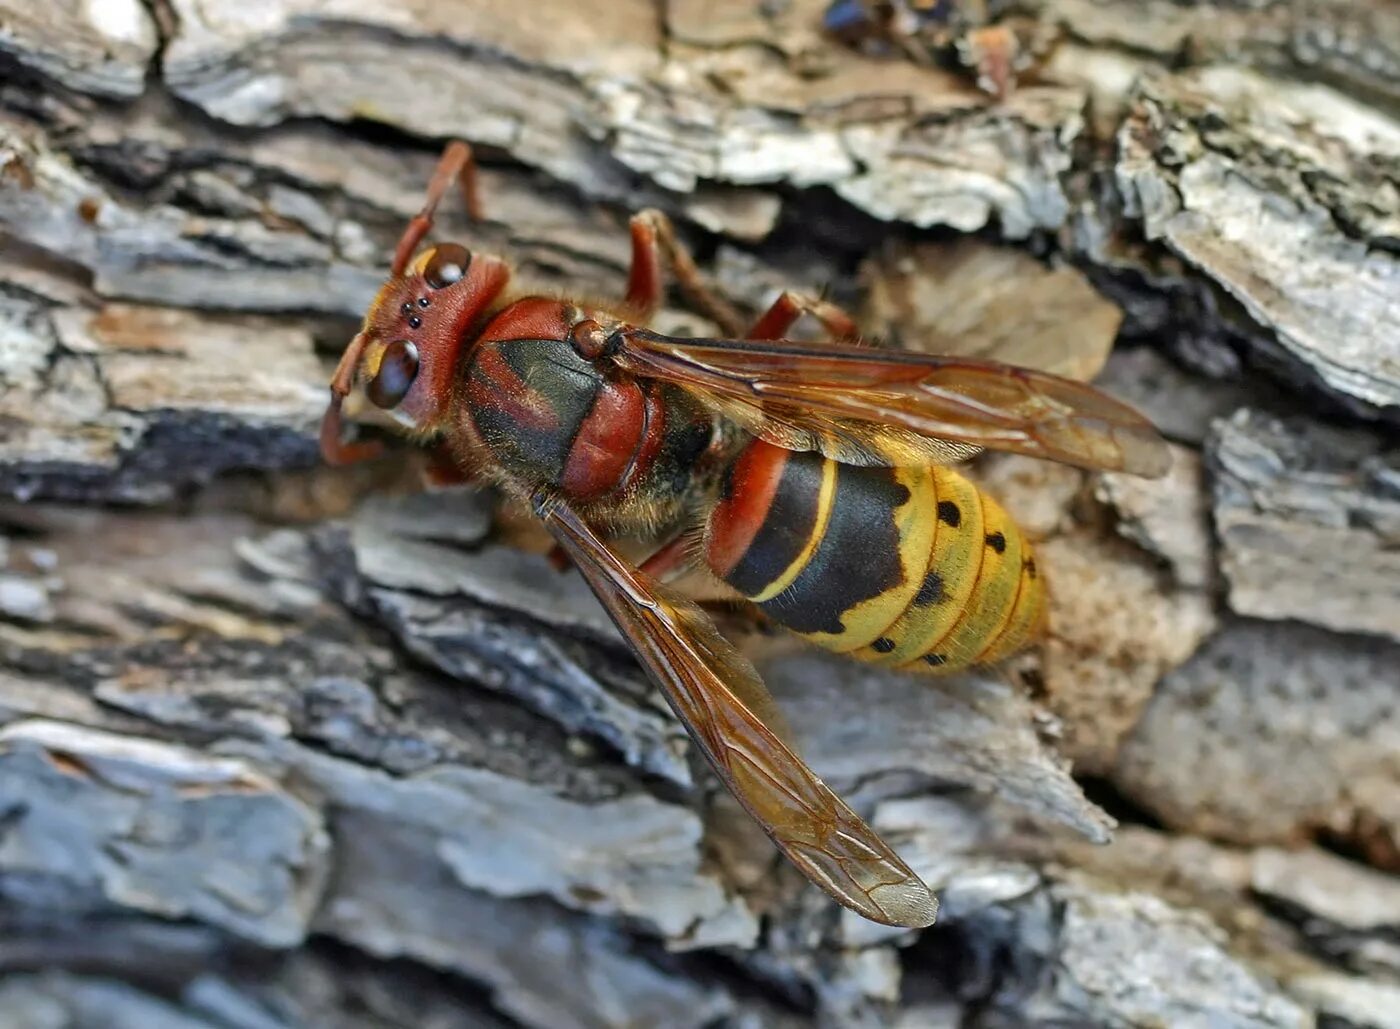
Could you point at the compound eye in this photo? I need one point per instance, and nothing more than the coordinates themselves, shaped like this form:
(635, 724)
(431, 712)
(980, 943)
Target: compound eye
(447, 265)
(397, 370)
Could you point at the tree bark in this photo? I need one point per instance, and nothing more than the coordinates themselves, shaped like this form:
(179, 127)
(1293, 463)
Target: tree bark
(282, 745)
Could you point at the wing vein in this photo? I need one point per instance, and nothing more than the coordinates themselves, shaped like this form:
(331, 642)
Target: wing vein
(695, 666)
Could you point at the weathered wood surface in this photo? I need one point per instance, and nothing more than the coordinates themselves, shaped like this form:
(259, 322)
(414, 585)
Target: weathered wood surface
(281, 746)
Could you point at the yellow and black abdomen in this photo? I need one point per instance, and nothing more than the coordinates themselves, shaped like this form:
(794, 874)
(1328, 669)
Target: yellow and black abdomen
(909, 567)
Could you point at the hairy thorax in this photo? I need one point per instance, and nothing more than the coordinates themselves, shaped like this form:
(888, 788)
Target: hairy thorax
(631, 452)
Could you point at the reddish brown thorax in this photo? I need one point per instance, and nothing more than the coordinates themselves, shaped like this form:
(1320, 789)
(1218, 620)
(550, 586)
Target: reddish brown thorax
(550, 410)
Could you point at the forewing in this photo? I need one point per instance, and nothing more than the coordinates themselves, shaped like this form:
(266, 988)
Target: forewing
(704, 679)
(870, 406)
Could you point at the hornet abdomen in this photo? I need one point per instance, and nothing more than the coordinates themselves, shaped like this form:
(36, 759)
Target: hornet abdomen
(911, 567)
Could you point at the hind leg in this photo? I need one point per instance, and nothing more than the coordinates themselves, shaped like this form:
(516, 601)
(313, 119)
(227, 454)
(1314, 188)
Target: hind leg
(778, 320)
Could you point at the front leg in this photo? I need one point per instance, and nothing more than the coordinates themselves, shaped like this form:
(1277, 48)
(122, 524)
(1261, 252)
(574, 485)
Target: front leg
(457, 164)
(442, 470)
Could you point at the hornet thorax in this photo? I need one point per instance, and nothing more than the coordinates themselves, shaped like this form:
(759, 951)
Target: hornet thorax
(547, 415)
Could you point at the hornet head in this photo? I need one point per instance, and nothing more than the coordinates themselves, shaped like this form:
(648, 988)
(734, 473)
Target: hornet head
(406, 352)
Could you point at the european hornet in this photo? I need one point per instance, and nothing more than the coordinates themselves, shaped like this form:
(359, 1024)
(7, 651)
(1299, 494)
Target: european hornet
(813, 478)
(999, 40)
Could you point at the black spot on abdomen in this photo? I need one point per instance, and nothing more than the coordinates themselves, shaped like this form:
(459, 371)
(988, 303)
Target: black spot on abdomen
(931, 592)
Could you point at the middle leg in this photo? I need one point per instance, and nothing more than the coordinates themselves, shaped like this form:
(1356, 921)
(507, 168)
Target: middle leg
(654, 242)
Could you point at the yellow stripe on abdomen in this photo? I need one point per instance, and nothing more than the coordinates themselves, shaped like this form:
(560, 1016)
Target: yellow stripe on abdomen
(866, 621)
(838, 551)
(823, 501)
(951, 569)
(977, 603)
(1027, 617)
(993, 597)
(910, 567)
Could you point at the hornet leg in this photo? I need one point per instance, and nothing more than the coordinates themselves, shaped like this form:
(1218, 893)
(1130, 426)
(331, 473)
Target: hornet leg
(774, 323)
(456, 165)
(654, 242)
